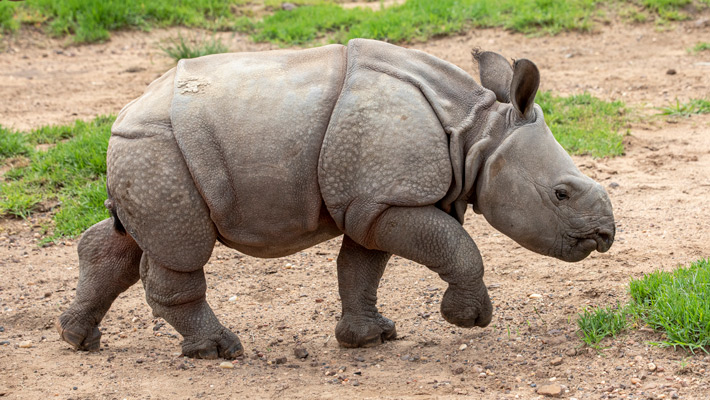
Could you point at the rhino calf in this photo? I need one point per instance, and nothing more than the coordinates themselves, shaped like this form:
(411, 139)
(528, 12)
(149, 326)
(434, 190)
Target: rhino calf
(274, 152)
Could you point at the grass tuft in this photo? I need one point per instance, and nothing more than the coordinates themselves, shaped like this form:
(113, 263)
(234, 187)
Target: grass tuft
(180, 47)
(693, 106)
(69, 173)
(584, 124)
(700, 46)
(13, 144)
(677, 303)
(596, 324)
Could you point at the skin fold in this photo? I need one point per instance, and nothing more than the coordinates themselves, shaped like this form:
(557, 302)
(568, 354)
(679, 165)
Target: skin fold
(273, 152)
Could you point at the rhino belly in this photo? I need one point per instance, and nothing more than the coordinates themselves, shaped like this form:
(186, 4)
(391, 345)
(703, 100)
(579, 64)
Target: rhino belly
(250, 127)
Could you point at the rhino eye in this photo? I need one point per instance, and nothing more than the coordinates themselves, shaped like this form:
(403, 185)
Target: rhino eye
(561, 194)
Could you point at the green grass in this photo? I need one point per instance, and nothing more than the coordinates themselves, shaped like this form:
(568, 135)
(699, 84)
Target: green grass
(13, 144)
(584, 124)
(423, 19)
(700, 46)
(71, 173)
(596, 324)
(676, 303)
(93, 20)
(181, 47)
(693, 106)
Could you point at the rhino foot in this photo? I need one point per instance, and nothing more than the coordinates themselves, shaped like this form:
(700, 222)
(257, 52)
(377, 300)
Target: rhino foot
(81, 335)
(224, 344)
(467, 308)
(354, 331)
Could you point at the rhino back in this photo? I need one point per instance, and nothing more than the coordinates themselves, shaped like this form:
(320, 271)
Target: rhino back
(250, 127)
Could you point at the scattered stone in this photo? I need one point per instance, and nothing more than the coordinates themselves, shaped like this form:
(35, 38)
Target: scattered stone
(319, 300)
(651, 367)
(5, 343)
(226, 365)
(355, 382)
(2, 329)
(25, 345)
(671, 72)
(535, 296)
(288, 6)
(300, 353)
(463, 347)
(613, 185)
(553, 390)
(281, 360)
(674, 395)
(556, 361)
(133, 70)
(457, 370)
(330, 373)
(702, 22)
(638, 359)
(571, 352)
(635, 381)
(359, 358)
(232, 299)
(405, 357)
(660, 369)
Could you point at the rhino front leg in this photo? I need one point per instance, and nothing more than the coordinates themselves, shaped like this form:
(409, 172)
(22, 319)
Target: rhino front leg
(108, 265)
(359, 273)
(178, 296)
(433, 238)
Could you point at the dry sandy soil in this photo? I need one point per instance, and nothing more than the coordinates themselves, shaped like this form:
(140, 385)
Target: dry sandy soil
(660, 191)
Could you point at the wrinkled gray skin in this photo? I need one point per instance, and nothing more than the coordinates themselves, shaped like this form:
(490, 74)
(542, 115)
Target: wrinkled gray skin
(274, 152)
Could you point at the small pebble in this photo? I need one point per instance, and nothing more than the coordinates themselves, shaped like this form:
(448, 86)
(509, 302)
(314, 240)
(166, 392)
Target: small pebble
(281, 360)
(635, 381)
(2, 329)
(233, 299)
(651, 367)
(4, 343)
(463, 347)
(535, 296)
(226, 365)
(671, 72)
(25, 345)
(300, 352)
(553, 390)
(457, 370)
(556, 361)
(355, 382)
(571, 352)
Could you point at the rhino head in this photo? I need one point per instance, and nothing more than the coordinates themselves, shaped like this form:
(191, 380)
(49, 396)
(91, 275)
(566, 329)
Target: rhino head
(528, 187)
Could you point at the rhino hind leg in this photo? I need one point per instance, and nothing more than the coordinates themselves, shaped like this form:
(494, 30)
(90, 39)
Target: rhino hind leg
(108, 265)
(359, 273)
(178, 296)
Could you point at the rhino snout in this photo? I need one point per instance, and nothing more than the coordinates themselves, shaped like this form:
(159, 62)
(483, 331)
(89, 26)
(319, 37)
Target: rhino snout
(604, 238)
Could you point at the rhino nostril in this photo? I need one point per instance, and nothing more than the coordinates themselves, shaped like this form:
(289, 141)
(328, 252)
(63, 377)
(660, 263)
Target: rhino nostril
(604, 240)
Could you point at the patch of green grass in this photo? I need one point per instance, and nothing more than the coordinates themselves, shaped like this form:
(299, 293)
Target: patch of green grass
(71, 173)
(423, 19)
(584, 124)
(596, 324)
(693, 106)
(677, 303)
(700, 46)
(7, 21)
(13, 144)
(180, 47)
(93, 20)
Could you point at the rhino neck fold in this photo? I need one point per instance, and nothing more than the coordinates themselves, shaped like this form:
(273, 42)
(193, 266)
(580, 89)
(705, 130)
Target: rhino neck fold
(470, 144)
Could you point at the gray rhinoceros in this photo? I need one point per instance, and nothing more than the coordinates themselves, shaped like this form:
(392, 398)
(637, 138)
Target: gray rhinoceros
(274, 152)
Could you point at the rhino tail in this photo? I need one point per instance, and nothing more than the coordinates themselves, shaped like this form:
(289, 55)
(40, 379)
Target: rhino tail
(111, 206)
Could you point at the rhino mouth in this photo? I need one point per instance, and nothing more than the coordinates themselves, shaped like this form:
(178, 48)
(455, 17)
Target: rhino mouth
(583, 245)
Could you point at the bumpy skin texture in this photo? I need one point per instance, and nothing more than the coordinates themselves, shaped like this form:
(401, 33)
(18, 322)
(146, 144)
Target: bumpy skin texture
(273, 152)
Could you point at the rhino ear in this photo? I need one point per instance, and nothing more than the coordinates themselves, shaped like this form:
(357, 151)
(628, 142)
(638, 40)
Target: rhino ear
(523, 88)
(495, 72)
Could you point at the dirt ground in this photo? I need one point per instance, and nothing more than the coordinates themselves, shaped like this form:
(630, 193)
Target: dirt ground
(660, 191)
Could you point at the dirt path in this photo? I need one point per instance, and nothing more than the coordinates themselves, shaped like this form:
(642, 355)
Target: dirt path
(660, 191)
